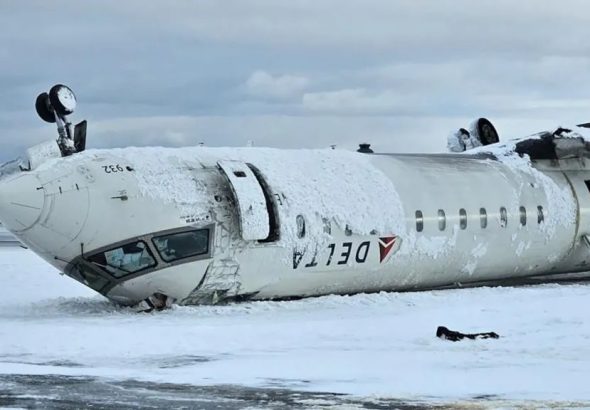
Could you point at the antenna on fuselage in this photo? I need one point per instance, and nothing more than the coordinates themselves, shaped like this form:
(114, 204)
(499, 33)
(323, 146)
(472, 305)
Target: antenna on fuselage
(54, 107)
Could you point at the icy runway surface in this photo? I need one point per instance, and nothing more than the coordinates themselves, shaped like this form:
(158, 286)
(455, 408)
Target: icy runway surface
(62, 345)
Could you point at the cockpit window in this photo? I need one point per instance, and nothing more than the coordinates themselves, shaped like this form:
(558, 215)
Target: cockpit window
(85, 274)
(181, 245)
(125, 259)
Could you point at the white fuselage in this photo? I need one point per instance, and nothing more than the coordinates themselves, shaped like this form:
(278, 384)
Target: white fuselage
(205, 224)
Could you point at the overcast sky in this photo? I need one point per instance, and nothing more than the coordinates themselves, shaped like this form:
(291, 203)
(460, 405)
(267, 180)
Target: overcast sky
(397, 74)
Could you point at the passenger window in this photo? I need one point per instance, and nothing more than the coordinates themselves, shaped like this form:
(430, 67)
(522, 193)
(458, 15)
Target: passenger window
(540, 216)
(182, 245)
(419, 221)
(347, 231)
(462, 218)
(442, 220)
(124, 260)
(327, 226)
(300, 220)
(483, 218)
(503, 217)
(523, 216)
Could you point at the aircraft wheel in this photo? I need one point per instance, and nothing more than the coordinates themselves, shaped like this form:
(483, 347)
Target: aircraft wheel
(44, 108)
(62, 99)
(486, 131)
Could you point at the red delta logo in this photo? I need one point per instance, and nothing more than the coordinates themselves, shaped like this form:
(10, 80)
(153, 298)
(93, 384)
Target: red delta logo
(385, 246)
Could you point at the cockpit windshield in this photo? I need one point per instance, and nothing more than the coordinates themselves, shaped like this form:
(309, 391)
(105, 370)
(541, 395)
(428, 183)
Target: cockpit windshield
(181, 245)
(86, 274)
(106, 267)
(124, 260)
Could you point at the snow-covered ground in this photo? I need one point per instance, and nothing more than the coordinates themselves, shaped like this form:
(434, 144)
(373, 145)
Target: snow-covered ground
(373, 348)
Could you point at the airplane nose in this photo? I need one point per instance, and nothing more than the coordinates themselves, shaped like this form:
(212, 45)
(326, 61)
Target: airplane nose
(21, 202)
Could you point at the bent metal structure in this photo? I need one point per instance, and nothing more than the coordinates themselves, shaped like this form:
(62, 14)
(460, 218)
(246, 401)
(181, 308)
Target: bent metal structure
(205, 225)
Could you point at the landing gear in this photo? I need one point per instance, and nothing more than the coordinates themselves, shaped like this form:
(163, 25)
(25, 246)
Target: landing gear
(62, 99)
(481, 132)
(44, 108)
(156, 302)
(486, 132)
(54, 107)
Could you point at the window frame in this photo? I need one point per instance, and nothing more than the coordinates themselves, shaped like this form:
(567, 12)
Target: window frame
(540, 214)
(347, 231)
(503, 217)
(79, 268)
(462, 219)
(160, 263)
(523, 215)
(483, 218)
(327, 226)
(125, 272)
(442, 220)
(191, 257)
(300, 226)
(419, 221)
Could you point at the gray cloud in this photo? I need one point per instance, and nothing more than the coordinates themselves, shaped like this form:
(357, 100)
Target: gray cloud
(288, 74)
(264, 85)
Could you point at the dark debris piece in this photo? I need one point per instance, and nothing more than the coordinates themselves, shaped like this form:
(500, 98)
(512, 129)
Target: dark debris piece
(446, 334)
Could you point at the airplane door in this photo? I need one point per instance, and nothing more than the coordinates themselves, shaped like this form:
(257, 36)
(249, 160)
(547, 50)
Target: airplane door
(250, 200)
(580, 182)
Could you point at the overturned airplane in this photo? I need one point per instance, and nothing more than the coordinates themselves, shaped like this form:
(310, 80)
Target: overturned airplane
(209, 225)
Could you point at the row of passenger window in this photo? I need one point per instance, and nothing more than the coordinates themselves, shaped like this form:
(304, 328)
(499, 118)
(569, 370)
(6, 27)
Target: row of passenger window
(483, 218)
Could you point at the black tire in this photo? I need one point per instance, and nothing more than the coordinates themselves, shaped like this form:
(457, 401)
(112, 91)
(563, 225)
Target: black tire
(486, 131)
(44, 108)
(59, 108)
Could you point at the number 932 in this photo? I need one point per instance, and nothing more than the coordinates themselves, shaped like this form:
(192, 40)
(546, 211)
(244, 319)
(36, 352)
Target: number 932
(111, 169)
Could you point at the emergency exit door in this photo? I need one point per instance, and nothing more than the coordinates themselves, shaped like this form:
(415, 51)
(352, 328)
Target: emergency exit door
(250, 200)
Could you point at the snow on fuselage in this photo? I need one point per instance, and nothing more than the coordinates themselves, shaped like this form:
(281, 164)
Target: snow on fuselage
(206, 224)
